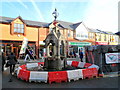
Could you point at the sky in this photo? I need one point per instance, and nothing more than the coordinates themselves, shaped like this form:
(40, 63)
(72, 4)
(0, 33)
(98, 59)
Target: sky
(96, 14)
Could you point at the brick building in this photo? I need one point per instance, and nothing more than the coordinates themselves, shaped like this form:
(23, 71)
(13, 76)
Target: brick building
(76, 35)
(13, 30)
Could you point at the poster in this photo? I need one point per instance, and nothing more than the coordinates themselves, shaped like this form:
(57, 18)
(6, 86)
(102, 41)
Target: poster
(24, 46)
(112, 58)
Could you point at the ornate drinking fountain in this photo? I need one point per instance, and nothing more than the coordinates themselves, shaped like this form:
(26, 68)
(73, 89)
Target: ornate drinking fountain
(55, 47)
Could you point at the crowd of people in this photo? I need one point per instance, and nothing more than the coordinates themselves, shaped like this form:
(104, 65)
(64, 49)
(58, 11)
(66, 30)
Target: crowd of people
(73, 55)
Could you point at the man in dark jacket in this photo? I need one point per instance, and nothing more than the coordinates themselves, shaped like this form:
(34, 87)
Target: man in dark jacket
(3, 61)
(12, 60)
(81, 55)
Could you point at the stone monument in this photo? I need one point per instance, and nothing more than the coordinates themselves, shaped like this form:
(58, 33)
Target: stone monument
(55, 48)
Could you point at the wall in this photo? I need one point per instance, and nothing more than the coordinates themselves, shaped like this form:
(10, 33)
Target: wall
(43, 32)
(31, 33)
(81, 32)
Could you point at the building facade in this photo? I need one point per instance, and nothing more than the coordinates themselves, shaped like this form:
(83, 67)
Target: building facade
(76, 35)
(15, 29)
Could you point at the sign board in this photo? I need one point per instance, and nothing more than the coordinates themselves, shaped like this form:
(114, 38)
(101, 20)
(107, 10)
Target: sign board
(79, 43)
(112, 58)
(24, 45)
(101, 43)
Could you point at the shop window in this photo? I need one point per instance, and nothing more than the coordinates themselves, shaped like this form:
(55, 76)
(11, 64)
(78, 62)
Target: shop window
(18, 28)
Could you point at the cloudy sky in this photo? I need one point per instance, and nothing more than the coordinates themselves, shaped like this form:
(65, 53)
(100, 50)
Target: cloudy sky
(97, 14)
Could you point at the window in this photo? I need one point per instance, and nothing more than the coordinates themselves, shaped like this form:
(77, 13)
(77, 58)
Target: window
(112, 39)
(68, 33)
(91, 35)
(99, 37)
(116, 39)
(105, 38)
(18, 28)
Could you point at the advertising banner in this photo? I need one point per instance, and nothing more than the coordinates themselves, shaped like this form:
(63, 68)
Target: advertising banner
(24, 45)
(112, 58)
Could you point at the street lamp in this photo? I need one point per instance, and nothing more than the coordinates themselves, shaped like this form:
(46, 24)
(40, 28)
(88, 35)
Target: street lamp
(55, 14)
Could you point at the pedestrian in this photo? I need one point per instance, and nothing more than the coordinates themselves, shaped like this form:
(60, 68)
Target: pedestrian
(74, 54)
(3, 60)
(28, 54)
(71, 54)
(81, 55)
(12, 61)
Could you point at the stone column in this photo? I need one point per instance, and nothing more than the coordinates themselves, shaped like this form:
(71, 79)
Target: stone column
(64, 48)
(59, 49)
(54, 49)
(47, 51)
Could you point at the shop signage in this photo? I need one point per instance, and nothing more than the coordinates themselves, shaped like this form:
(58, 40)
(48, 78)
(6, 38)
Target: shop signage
(79, 43)
(101, 43)
(41, 43)
(24, 46)
(112, 58)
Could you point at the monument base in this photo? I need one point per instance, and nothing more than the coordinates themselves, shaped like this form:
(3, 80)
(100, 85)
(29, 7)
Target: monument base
(52, 63)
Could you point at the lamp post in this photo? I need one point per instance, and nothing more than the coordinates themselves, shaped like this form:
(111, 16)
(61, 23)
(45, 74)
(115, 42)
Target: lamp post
(55, 14)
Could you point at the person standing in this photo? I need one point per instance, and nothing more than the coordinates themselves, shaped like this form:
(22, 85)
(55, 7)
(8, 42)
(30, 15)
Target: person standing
(12, 60)
(3, 61)
(81, 55)
(71, 54)
(74, 54)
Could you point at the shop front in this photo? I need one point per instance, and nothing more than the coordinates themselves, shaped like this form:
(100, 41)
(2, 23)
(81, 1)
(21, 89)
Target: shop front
(14, 46)
(77, 46)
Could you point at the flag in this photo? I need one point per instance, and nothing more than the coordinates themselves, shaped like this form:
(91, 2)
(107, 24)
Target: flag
(24, 45)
